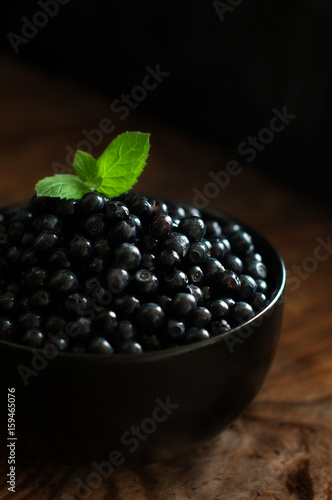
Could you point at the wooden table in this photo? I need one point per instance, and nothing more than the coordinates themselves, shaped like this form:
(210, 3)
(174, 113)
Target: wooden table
(281, 447)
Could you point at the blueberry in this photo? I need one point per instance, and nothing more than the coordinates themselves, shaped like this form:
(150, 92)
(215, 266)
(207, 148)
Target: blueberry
(152, 341)
(124, 331)
(28, 320)
(241, 242)
(49, 223)
(195, 275)
(63, 281)
(60, 342)
(252, 256)
(178, 242)
(45, 242)
(193, 228)
(161, 226)
(40, 300)
(94, 288)
(168, 259)
(67, 208)
(99, 345)
(16, 231)
(213, 270)
(256, 269)
(159, 207)
(76, 303)
(81, 328)
(80, 248)
(148, 261)
(96, 266)
(35, 278)
(213, 229)
(229, 282)
(106, 322)
(242, 312)
(7, 303)
(230, 227)
(175, 329)
(219, 326)
(94, 226)
(33, 338)
(117, 279)
(142, 208)
(149, 243)
(101, 248)
(218, 308)
(207, 292)
(201, 318)
(233, 263)
(124, 231)
(183, 304)
(197, 293)
(27, 240)
(196, 335)
(248, 287)
(261, 286)
(7, 329)
(150, 317)
(91, 203)
(258, 301)
(164, 301)
(175, 281)
(127, 256)
(126, 305)
(116, 211)
(138, 225)
(146, 282)
(130, 347)
(54, 325)
(176, 211)
(59, 259)
(197, 253)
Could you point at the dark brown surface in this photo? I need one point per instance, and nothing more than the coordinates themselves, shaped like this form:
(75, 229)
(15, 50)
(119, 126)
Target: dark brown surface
(281, 448)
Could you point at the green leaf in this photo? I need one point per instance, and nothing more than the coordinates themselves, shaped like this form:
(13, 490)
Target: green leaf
(62, 186)
(86, 168)
(122, 162)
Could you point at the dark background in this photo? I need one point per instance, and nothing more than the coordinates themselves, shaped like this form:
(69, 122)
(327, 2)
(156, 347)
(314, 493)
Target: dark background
(225, 76)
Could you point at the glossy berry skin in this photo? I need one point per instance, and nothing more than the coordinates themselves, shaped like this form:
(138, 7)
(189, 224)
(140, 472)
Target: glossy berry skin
(229, 282)
(175, 281)
(126, 305)
(28, 321)
(150, 317)
(183, 304)
(256, 269)
(124, 331)
(213, 270)
(80, 248)
(145, 282)
(159, 207)
(49, 223)
(219, 327)
(35, 278)
(7, 329)
(45, 242)
(76, 304)
(201, 318)
(178, 242)
(100, 345)
(40, 301)
(148, 261)
(196, 335)
(197, 253)
(233, 263)
(258, 300)
(218, 308)
(213, 229)
(262, 286)
(116, 211)
(7, 303)
(161, 226)
(168, 259)
(94, 288)
(193, 228)
(248, 287)
(63, 282)
(241, 242)
(60, 259)
(54, 325)
(242, 312)
(106, 322)
(175, 329)
(102, 248)
(33, 338)
(197, 293)
(127, 256)
(94, 226)
(195, 275)
(117, 279)
(124, 231)
(130, 347)
(142, 208)
(91, 203)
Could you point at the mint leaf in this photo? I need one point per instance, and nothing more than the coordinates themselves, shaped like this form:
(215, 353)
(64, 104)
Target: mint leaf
(86, 168)
(122, 162)
(62, 186)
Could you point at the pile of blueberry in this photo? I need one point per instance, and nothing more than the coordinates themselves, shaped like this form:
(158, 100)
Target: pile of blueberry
(123, 275)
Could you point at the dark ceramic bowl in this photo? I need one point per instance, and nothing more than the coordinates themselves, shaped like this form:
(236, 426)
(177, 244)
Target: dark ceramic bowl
(136, 409)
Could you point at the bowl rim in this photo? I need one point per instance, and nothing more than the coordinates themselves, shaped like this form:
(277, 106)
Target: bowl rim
(149, 356)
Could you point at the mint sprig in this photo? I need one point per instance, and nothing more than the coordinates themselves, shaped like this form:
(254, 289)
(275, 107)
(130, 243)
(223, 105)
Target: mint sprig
(113, 173)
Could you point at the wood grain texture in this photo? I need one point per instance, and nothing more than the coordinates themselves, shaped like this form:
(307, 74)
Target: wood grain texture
(281, 447)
